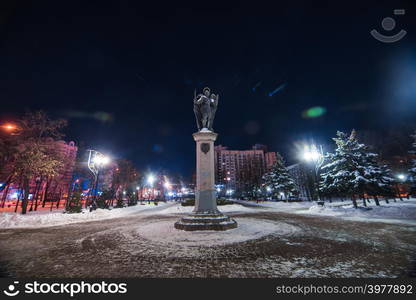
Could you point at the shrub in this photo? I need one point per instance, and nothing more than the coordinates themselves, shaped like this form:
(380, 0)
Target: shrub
(75, 204)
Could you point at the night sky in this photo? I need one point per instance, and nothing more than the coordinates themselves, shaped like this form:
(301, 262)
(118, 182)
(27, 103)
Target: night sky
(123, 72)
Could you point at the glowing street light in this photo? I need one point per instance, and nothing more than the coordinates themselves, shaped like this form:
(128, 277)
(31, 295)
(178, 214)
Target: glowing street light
(401, 177)
(151, 179)
(101, 160)
(96, 161)
(167, 185)
(315, 155)
(312, 154)
(9, 126)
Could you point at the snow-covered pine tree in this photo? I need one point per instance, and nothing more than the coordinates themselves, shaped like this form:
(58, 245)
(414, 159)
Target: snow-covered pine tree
(412, 170)
(353, 170)
(279, 180)
(378, 178)
(338, 169)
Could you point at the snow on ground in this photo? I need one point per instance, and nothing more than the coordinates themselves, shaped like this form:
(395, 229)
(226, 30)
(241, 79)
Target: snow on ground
(248, 229)
(46, 219)
(393, 212)
(280, 205)
(402, 212)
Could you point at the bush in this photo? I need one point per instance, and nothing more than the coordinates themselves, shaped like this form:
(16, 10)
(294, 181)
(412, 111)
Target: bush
(131, 199)
(223, 201)
(220, 201)
(104, 199)
(75, 204)
(120, 202)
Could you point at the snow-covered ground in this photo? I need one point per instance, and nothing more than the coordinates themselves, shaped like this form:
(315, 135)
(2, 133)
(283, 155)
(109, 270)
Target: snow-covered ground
(248, 229)
(46, 219)
(395, 212)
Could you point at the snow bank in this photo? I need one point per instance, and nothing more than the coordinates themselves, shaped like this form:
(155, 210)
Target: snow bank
(45, 219)
(287, 206)
(248, 229)
(400, 210)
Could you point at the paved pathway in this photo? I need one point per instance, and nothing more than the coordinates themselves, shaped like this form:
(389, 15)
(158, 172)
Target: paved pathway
(321, 247)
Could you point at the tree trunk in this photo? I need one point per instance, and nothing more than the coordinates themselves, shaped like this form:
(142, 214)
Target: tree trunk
(354, 202)
(4, 197)
(45, 195)
(20, 194)
(38, 194)
(376, 201)
(387, 200)
(59, 199)
(26, 197)
(35, 195)
(364, 201)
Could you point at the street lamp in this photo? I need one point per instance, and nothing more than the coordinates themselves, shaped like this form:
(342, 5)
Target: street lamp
(314, 155)
(167, 185)
(401, 177)
(96, 161)
(150, 180)
(11, 128)
(168, 188)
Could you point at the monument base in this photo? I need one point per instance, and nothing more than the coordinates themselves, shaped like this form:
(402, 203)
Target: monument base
(206, 221)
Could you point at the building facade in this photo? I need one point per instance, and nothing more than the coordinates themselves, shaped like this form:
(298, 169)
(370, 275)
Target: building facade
(235, 168)
(50, 189)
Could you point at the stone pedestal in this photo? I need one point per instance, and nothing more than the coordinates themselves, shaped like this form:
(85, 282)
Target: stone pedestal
(205, 215)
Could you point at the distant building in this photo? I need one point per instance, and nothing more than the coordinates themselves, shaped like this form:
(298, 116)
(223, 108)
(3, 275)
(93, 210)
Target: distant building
(233, 168)
(46, 188)
(270, 158)
(60, 185)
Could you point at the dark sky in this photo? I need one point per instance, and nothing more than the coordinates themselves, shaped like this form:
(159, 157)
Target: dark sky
(124, 72)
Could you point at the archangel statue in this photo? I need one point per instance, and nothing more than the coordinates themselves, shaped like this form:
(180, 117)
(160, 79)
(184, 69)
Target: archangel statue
(205, 106)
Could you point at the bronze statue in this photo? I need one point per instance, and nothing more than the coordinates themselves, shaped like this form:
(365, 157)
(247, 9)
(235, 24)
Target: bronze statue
(205, 106)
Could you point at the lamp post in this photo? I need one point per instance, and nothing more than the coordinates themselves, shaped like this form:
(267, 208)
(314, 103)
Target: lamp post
(137, 192)
(150, 180)
(96, 161)
(401, 179)
(314, 155)
(268, 192)
(167, 186)
(11, 128)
